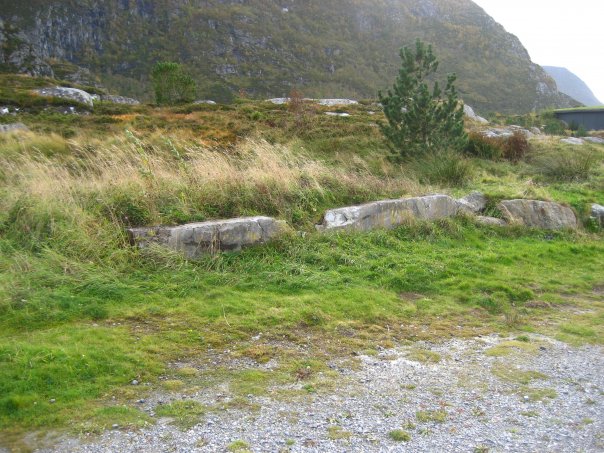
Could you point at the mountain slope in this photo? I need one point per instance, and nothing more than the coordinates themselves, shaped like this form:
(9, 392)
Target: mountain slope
(571, 85)
(326, 48)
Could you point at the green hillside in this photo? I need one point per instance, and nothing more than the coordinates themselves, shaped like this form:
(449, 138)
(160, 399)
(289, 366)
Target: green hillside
(347, 48)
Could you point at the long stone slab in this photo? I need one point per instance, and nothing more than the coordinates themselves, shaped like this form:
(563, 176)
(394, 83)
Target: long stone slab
(389, 213)
(538, 214)
(196, 239)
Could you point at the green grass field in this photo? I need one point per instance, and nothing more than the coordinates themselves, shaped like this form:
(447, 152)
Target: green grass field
(82, 314)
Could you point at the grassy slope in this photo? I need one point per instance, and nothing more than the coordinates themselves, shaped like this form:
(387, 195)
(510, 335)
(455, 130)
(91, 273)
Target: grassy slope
(82, 315)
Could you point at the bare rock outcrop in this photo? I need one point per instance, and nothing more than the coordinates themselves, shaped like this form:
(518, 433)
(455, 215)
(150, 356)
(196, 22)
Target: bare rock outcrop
(469, 113)
(484, 220)
(473, 203)
(389, 213)
(538, 214)
(72, 94)
(197, 239)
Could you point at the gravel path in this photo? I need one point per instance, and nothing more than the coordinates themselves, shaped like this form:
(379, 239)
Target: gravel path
(470, 401)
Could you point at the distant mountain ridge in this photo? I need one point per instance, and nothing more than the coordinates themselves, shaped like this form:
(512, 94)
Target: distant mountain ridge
(572, 85)
(326, 48)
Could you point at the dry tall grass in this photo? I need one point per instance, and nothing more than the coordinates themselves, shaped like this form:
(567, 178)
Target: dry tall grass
(126, 180)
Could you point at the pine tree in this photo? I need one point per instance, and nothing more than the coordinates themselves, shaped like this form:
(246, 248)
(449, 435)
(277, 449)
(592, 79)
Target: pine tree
(171, 84)
(421, 120)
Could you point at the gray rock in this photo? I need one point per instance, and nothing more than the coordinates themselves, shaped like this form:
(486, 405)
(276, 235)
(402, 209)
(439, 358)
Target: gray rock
(538, 214)
(505, 132)
(4, 128)
(572, 141)
(497, 133)
(196, 239)
(597, 140)
(490, 221)
(536, 131)
(118, 99)
(72, 94)
(332, 102)
(597, 213)
(469, 112)
(475, 202)
(204, 101)
(344, 115)
(324, 102)
(278, 101)
(389, 213)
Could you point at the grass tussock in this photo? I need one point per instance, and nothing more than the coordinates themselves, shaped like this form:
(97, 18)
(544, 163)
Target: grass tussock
(567, 165)
(447, 169)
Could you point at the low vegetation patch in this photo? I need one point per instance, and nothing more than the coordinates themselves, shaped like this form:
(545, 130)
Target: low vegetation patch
(185, 414)
(424, 356)
(398, 435)
(338, 433)
(435, 416)
(516, 375)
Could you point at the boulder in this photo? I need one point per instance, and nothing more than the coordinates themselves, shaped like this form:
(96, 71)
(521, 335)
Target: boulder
(505, 132)
(337, 114)
(333, 102)
(389, 213)
(536, 131)
(196, 239)
(325, 102)
(597, 140)
(490, 221)
(72, 94)
(278, 101)
(118, 99)
(572, 141)
(469, 112)
(474, 203)
(538, 214)
(204, 101)
(4, 128)
(597, 213)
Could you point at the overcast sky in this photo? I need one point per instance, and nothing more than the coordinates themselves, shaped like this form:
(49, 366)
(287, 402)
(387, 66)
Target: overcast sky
(567, 33)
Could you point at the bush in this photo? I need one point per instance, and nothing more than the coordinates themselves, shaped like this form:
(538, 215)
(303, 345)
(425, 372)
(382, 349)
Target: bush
(171, 84)
(484, 147)
(515, 147)
(566, 164)
(446, 169)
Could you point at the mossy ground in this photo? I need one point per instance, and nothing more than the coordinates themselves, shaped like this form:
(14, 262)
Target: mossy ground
(83, 314)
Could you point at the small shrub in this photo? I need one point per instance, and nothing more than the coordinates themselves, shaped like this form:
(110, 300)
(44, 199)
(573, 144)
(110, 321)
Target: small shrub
(515, 147)
(447, 169)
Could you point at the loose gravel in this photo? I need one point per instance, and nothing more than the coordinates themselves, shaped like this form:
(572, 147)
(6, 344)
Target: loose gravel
(469, 401)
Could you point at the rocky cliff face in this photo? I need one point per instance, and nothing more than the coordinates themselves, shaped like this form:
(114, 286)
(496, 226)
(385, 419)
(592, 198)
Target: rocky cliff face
(343, 48)
(571, 85)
